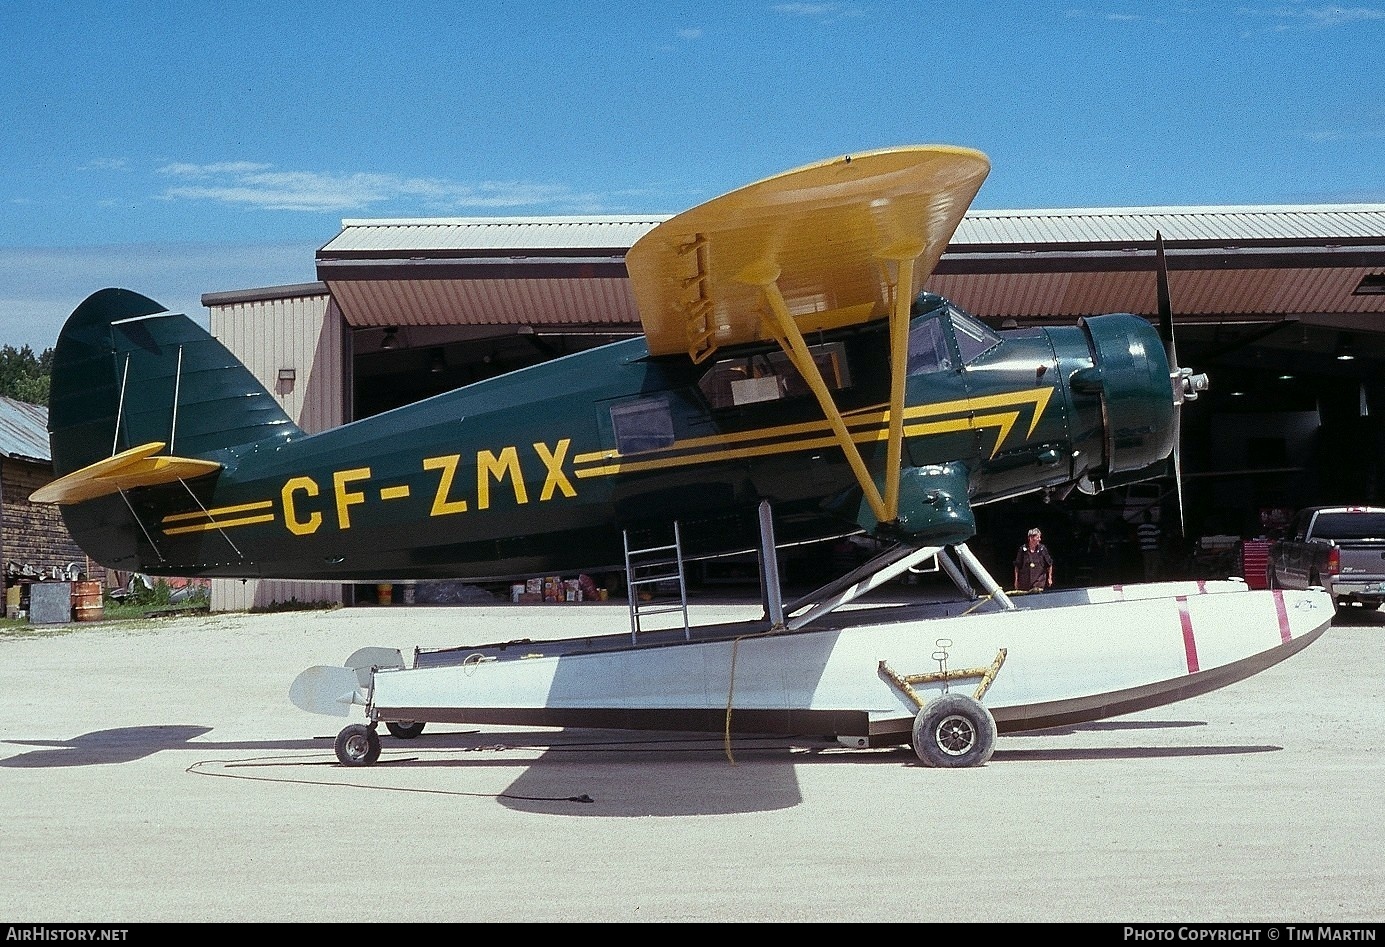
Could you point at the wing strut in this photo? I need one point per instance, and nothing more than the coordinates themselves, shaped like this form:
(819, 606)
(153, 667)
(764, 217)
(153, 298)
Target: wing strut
(904, 256)
(790, 339)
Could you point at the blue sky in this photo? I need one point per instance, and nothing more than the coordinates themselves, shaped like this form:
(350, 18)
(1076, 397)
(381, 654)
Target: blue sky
(184, 147)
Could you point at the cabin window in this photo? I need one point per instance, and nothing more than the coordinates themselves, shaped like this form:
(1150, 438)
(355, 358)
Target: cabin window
(642, 425)
(974, 338)
(928, 351)
(770, 376)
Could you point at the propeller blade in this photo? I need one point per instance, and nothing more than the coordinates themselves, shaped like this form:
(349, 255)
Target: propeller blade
(1178, 469)
(1165, 305)
(1176, 374)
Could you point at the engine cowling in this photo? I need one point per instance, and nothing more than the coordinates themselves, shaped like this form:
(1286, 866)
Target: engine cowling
(1130, 371)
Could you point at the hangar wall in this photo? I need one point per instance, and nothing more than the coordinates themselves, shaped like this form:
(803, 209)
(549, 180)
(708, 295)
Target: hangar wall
(294, 340)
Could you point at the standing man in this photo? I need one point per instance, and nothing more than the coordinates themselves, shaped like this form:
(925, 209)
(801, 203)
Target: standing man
(1033, 564)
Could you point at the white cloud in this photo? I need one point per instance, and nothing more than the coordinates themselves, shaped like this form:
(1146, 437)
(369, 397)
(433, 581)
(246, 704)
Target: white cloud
(820, 11)
(1287, 17)
(249, 184)
(805, 9)
(1084, 14)
(186, 170)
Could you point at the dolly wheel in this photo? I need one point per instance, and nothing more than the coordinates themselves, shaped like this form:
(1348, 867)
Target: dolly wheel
(954, 730)
(404, 729)
(357, 745)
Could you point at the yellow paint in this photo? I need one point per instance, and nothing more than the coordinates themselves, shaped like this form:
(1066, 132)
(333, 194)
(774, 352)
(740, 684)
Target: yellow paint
(442, 506)
(394, 493)
(869, 427)
(299, 527)
(346, 498)
(822, 229)
(554, 478)
(791, 341)
(222, 524)
(218, 511)
(489, 466)
(136, 467)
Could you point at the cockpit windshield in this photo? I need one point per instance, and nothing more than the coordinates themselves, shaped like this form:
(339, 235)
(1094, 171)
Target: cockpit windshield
(974, 338)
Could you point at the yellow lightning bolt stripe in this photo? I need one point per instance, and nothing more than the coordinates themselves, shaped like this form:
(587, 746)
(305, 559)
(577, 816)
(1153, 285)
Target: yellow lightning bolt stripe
(1004, 421)
(219, 524)
(1039, 397)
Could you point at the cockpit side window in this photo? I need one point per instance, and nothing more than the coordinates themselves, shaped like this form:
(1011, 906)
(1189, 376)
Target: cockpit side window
(642, 425)
(928, 351)
(770, 376)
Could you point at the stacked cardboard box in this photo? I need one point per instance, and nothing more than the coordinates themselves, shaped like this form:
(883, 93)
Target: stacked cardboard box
(548, 588)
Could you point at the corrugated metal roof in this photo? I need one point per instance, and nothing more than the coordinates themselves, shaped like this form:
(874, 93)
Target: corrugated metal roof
(1110, 225)
(1121, 225)
(24, 430)
(569, 271)
(472, 234)
(536, 302)
(263, 294)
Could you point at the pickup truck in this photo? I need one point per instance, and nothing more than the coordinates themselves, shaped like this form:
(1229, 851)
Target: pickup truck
(1340, 548)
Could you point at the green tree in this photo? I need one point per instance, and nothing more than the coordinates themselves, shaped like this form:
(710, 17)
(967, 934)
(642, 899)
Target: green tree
(25, 376)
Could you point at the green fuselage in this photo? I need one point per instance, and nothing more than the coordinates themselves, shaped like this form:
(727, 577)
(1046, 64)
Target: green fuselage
(540, 471)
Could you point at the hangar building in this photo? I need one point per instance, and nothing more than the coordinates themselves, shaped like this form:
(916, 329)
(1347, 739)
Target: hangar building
(1283, 306)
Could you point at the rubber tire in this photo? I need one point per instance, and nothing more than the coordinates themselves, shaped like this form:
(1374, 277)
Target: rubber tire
(402, 730)
(953, 731)
(357, 745)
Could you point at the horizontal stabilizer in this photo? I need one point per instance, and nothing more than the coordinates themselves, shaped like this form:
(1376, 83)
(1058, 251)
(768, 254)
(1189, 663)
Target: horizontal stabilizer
(136, 467)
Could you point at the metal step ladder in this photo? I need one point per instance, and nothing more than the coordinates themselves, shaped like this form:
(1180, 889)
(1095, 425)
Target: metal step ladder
(644, 570)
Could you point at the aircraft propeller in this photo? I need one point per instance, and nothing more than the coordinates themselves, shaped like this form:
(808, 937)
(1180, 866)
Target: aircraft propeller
(1185, 383)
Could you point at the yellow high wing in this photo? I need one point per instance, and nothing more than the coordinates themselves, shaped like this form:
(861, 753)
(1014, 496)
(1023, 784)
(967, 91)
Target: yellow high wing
(831, 244)
(136, 467)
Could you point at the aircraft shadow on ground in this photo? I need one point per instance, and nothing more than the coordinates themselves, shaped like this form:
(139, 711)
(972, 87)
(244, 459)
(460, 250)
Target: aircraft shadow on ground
(127, 744)
(573, 772)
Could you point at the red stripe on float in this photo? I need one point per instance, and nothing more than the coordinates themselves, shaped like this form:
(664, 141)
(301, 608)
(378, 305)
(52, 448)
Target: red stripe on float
(1202, 586)
(1285, 635)
(1189, 641)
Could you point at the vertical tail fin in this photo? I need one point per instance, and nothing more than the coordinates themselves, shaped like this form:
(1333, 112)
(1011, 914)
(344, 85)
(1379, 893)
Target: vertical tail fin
(141, 399)
(127, 373)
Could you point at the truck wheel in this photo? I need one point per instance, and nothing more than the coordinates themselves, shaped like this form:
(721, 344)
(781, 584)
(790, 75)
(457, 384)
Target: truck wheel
(357, 745)
(954, 730)
(404, 729)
